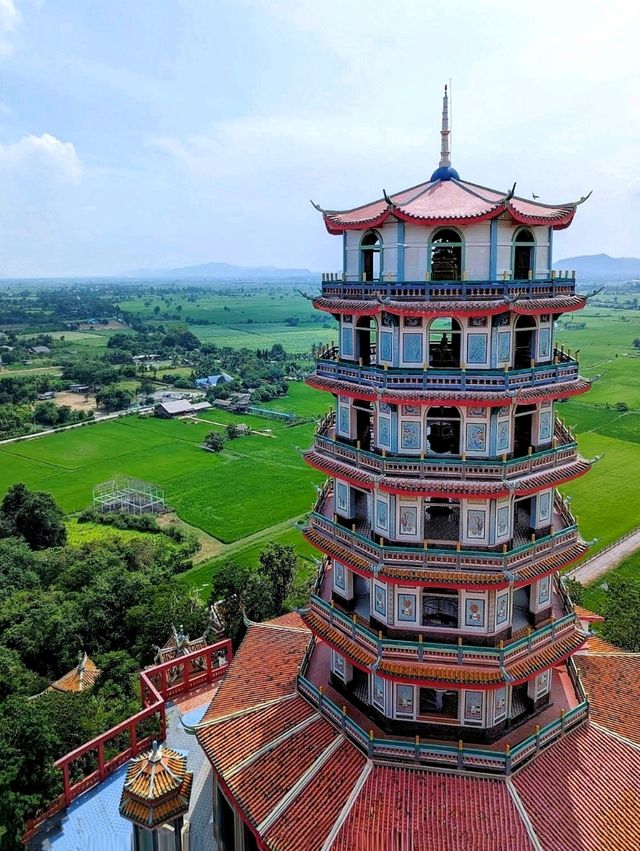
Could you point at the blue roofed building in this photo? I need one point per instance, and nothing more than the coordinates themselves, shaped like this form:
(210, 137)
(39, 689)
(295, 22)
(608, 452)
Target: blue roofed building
(213, 380)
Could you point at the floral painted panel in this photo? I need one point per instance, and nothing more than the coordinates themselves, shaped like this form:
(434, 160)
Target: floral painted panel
(377, 691)
(342, 496)
(502, 440)
(502, 609)
(544, 589)
(544, 506)
(545, 426)
(406, 607)
(384, 431)
(338, 575)
(386, 346)
(408, 520)
(404, 700)
(476, 437)
(474, 612)
(412, 348)
(502, 521)
(338, 664)
(477, 348)
(504, 346)
(542, 683)
(410, 435)
(500, 709)
(411, 410)
(382, 515)
(346, 349)
(544, 344)
(343, 420)
(476, 520)
(473, 706)
(380, 600)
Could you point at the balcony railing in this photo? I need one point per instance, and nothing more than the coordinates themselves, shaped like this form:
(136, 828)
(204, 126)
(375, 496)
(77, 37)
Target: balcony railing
(414, 557)
(461, 758)
(440, 653)
(337, 286)
(564, 451)
(455, 380)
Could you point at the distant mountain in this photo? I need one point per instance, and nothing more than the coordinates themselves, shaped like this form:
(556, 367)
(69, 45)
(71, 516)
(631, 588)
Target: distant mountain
(226, 272)
(601, 266)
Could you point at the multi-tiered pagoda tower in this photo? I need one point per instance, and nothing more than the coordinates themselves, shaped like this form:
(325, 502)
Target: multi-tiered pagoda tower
(441, 526)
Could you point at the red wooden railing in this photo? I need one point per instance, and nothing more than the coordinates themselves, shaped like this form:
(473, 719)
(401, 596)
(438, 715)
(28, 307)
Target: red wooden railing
(157, 684)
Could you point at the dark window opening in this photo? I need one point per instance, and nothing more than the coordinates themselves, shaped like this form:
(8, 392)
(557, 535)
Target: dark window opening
(436, 702)
(371, 255)
(442, 520)
(366, 333)
(226, 824)
(443, 431)
(364, 428)
(445, 336)
(523, 430)
(250, 843)
(446, 256)
(440, 609)
(523, 249)
(522, 526)
(525, 333)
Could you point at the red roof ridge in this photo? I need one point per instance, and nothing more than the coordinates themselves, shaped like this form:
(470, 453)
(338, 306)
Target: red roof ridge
(587, 614)
(348, 806)
(609, 732)
(300, 784)
(246, 710)
(274, 623)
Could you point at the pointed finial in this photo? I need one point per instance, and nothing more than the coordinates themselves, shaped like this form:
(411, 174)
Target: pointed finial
(156, 752)
(445, 152)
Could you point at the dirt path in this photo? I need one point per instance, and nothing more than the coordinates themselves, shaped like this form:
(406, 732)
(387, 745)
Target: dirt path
(605, 561)
(209, 546)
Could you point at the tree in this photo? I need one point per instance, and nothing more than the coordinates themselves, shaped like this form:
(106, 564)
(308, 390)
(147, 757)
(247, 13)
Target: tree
(113, 399)
(575, 590)
(35, 516)
(622, 613)
(279, 564)
(46, 413)
(232, 431)
(214, 441)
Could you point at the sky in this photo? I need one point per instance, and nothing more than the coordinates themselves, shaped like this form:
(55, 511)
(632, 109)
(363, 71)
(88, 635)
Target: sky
(164, 133)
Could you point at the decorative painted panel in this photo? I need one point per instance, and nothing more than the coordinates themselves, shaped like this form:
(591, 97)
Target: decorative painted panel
(384, 431)
(342, 496)
(502, 521)
(500, 705)
(544, 590)
(477, 322)
(377, 691)
(544, 343)
(380, 600)
(473, 707)
(411, 410)
(346, 348)
(410, 435)
(338, 664)
(544, 506)
(502, 609)
(474, 612)
(386, 346)
(413, 322)
(412, 348)
(476, 523)
(404, 700)
(476, 412)
(542, 683)
(477, 348)
(407, 607)
(502, 439)
(339, 580)
(343, 420)
(504, 346)
(476, 437)
(544, 431)
(382, 515)
(408, 520)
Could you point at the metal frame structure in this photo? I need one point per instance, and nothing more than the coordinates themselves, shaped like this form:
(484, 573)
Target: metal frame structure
(129, 496)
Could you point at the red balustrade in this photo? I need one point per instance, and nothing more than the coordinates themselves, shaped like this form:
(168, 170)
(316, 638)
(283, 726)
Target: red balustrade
(157, 685)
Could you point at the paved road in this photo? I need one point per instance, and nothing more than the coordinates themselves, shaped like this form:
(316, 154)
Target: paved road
(605, 561)
(100, 418)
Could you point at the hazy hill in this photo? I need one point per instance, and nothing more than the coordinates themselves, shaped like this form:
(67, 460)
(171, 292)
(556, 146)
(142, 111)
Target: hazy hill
(602, 266)
(225, 272)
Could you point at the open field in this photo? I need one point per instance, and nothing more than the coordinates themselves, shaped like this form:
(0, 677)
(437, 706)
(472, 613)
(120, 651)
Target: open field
(594, 596)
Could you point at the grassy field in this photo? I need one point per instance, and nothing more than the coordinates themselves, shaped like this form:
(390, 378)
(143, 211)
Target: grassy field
(594, 596)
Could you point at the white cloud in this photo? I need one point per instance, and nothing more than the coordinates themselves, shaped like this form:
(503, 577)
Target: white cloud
(42, 155)
(10, 19)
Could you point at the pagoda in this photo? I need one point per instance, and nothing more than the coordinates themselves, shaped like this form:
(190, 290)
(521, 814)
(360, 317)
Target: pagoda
(441, 526)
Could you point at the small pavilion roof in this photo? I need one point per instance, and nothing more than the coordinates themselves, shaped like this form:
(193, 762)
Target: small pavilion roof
(178, 644)
(157, 787)
(78, 679)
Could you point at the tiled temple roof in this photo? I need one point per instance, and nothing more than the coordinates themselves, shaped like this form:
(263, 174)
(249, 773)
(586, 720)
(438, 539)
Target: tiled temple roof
(157, 787)
(432, 812)
(583, 794)
(454, 201)
(78, 679)
(526, 307)
(499, 398)
(612, 681)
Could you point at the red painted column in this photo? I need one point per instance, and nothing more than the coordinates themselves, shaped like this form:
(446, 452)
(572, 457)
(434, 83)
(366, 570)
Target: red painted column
(101, 759)
(186, 674)
(133, 738)
(66, 784)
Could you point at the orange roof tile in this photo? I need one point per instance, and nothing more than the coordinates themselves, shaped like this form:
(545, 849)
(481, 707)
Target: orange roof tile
(586, 615)
(613, 686)
(157, 786)
(595, 644)
(404, 808)
(80, 678)
(583, 794)
(264, 669)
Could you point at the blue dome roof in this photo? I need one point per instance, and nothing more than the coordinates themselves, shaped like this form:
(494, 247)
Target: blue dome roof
(445, 172)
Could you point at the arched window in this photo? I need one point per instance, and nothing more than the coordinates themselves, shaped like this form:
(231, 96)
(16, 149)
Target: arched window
(371, 256)
(445, 255)
(444, 339)
(523, 254)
